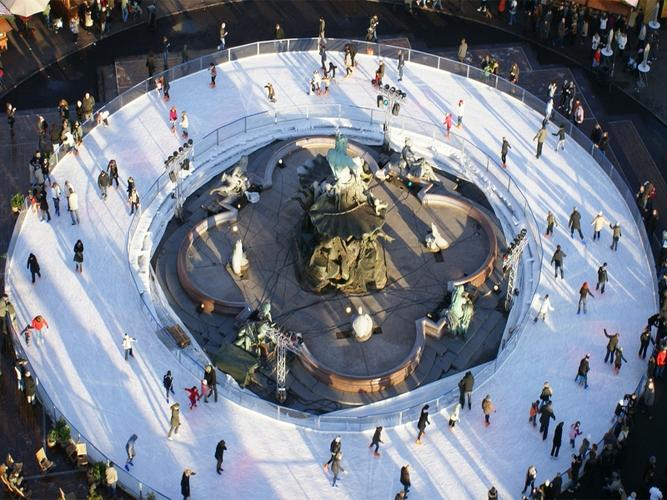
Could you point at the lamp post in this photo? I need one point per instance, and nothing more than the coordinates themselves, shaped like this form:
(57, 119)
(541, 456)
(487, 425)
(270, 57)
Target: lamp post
(390, 98)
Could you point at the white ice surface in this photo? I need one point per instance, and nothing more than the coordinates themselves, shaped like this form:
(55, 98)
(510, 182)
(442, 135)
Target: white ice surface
(82, 367)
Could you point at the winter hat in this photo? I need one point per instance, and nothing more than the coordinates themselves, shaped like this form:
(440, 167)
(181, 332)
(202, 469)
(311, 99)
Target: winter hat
(461, 101)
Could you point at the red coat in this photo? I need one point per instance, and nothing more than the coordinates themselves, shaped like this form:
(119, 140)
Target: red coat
(38, 323)
(661, 358)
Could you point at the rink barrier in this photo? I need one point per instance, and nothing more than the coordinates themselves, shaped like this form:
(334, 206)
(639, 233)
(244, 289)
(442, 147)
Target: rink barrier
(484, 170)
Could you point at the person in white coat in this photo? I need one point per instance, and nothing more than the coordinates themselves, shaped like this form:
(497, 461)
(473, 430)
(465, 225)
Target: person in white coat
(598, 223)
(454, 416)
(544, 308)
(127, 345)
(73, 206)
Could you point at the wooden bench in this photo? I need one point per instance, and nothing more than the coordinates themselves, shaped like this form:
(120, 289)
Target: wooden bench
(179, 336)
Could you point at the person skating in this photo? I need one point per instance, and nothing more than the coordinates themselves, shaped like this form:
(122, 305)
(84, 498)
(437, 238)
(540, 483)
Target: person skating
(173, 118)
(213, 74)
(185, 483)
(615, 235)
(401, 64)
(336, 468)
(560, 133)
(30, 388)
(504, 149)
(574, 223)
(33, 265)
(334, 447)
(211, 378)
(44, 205)
(322, 24)
(193, 396)
(454, 416)
(575, 430)
(531, 475)
(466, 385)
(460, 110)
(112, 169)
(488, 408)
(133, 199)
(174, 420)
(540, 137)
(405, 480)
(551, 222)
(558, 437)
(56, 193)
(645, 340)
(73, 206)
(532, 413)
(377, 439)
(545, 307)
(582, 372)
(584, 292)
(619, 359)
(11, 116)
(602, 277)
(37, 324)
(103, 183)
(547, 393)
(185, 123)
(546, 414)
(447, 122)
(611, 345)
(78, 256)
(220, 449)
(130, 451)
(422, 423)
(127, 345)
(168, 384)
(598, 223)
(557, 261)
(270, 92)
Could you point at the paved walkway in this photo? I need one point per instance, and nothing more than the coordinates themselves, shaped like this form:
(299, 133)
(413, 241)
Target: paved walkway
(81, 362)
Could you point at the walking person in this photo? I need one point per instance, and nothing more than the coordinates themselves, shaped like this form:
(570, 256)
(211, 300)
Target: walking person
(405, 480)
(615, 235)
(645, 340)
(611, 345)
(11, 116)
(211, 378)
(454, 416)
(220, 450)
(130, 451)
(466, 385)
(561, 138)
(531, 475)
(213, 73)
(334, 448)
(551, 222)
(44, 205)
(584, 292)
(33, 265)
(422, 423)
(223, 36)
(575, 430)
(545, 307)
(602, 277)
(546, 415)
(598, 223)
(185, 483)
(488, 408)
(127, 345)
(377, 439)
(174, 420)
(401, 64)
(540, 137)
(557, 261)
(73, 206)
(582, 371)
(460, 110)
(558, 437)
(336, 468)
(103, 183)
(55, 192)
(504, 149)
(168, 384)
(78, 256)
(112, 169)
(574, 223)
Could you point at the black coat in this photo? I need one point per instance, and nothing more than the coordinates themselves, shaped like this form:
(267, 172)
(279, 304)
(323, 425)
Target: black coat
(423, 420)
(210, 377)
(220, 450)
(33, 265)
(377, 437)
(558, 434)
(335, 447)
(185, 485)
(467, 382)
(405, 476)
(545, 414)
(575, 220)
(584, 366)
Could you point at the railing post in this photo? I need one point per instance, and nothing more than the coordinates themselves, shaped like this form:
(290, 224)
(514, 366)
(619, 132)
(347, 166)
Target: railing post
(523, 95)
(217, 136)
(487, 163)
(257, 43)
(496, 84)
(439, 59)
(467, 71)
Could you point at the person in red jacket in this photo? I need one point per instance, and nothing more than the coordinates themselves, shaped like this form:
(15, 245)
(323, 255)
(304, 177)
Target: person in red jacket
(193, 396)
(447, 122)
(660, 361)
(37, 323)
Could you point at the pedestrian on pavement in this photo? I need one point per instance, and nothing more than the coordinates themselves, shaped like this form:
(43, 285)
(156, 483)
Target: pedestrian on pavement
(557, 261)
(73, 206)
(33, 265)
(584, 292)
(377, 439)
(466, 385)
(615, 235)
(103, 183)
(211, 378)
(649, 397)
(168, 384)
(540, 137)
(611, 345)
(185, 483)
(488, 408)
(582, 372)
(619, 359)
(78, 256)
(422, 423)
(561, 138)
(578, 114)
(574, 223)
(130, 451)
(531, 475)
(127, 345)
(150, 64)
(602, 278)
(174, 420)
(454, 416)
(460, 110)
(334, 448)
(558, 437)
(504, 149)
(223, 36)
(598, 223)
(405, 480)
(575, 430)
(112, 169)
(544, 308)
(645, 340)
(220, 449)
(193, 396)
(546, 414)
(336, 468)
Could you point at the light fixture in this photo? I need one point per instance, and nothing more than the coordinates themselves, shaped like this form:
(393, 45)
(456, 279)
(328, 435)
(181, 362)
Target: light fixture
(235, 228)
(348, 310)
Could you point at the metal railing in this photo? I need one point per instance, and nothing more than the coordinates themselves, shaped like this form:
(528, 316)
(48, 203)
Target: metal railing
(473, 162)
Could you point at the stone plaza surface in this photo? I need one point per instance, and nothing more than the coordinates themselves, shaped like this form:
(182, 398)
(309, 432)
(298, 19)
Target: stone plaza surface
(81, 363)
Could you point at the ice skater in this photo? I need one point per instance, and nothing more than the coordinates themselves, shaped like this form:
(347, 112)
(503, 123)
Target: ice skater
(619, 360)
(615, 235)
(551, 222)
(336, 468)
(33, 266)
(645, 340)
(127, 345)
(558, 437)
(454, 416)
(405, 479)
(560, 133)
(532, 413)
(575, 430)
(377, 439)
(168, 384)
(574, 223)
(531, 475)
(598, 223)
(545, 307)
(212, 380)
(174, 420)
(582, 371)
(546, 415)
(540, 137)
(78, 256)
(557, 261)
(185, 483)
(466, 385)
(271, 93)
(584, 292)
(602, 278)
(220, 449)
(173, 118)
(193, 396)
(37, 324)
(131, 453)
(334, 448)
(422, 423)
(612, 343)
(460, 110)
(488, 408)
(504, 149)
